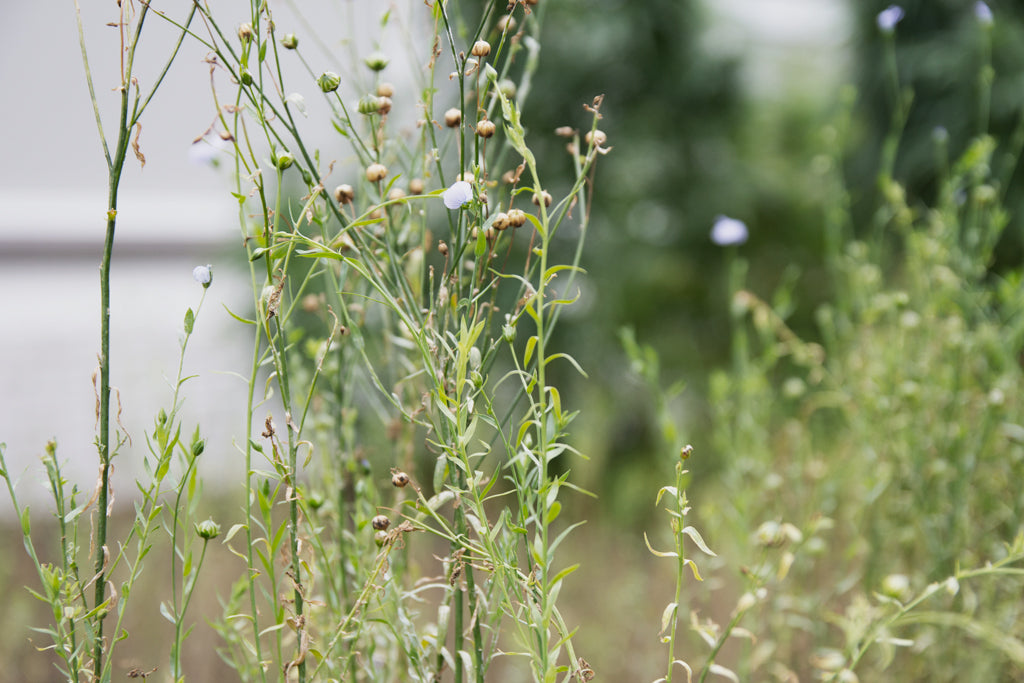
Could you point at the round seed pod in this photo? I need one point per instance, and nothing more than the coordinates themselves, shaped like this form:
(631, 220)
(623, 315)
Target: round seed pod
(596, 137)
(344, 194)
(442, 248)
(545, 195)
(485, 128)
(481, 48)
(386, 90)
(400, 480)
(416, 186)
(245, 32)
(396, 194)
(380, 523)
(452, 117)
(285, 160)
(500, 221)
(516, 218)
(506, 23)
(380, 538)
(290, 41)
(377, 61)
(565, 131)
(376, 172)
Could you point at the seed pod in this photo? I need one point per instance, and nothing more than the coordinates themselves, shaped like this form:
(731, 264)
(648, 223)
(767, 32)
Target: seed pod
(380, 538)
(245, 32)
(506, 23)
(442, 248)
(596, 137)
(399, 480)
(452, 117)
(329, 81)
(396, 194)
(290, 41)
(416, 186)
(485, 128)
(481, 48)
(343, 194)
(383, 105)
(376, 172)
(545, 195)
(245, 77)
(380, 523)
(386, 90)
(516, 218)
(285, 160)
(500, 221)
(565, 131)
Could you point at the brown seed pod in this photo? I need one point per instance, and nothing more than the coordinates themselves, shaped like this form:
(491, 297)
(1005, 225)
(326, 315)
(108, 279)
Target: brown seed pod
(485, 128)
(386, 90)
(376, 172)
(399, 480)
(442, 248)
(452, 117)
(507, 22)
(565, 131)
(380, 523)
(416, 186)
(481, 48)
(396, 194)
(596, 137)
(344, 194)
(516, 218)
(500, 221)
(543, 194)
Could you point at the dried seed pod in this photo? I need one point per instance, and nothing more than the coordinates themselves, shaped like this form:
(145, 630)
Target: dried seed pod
(245, 32)
(500, 221)
(506, 23)
(380, 538)
(596, 137)
(380, 522)
(545, 195)
(400, 480)
(485, 128)
(386, 90)
(396, 194)
(516, 218)
(565, 131)
(452, 117)
(376, 172)
(481, 48)
(442, 248)
(416, 186)
(344, 194)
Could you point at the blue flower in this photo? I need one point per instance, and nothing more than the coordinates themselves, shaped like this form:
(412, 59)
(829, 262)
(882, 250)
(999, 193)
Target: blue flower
(203, 275)
(983, 13)
(728, 231)
(458, 194)
(889, 17)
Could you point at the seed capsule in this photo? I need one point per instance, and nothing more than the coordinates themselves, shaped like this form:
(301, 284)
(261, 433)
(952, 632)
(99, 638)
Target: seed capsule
(376, 172)
(343, 194)
(377, 61)
(380, 523)
(386, 90)
(516, 218)
(245, 32)
(596, 137)
(481, 48)
(380, 538)
(452, 117)
(399, 480)
(290, 41)
(500, 221)
(416, 186)
(545, 195)
(485, 128)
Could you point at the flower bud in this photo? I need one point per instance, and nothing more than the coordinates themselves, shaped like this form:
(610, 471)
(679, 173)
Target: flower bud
(329, 81)
(368, 105)
(344, 194)
(245, 32)
(377, 61)
(376, 172)
(399, 480)
(508, 333)
(386, 90)
(245, 77)
(290, 41)
(208, 530)
(380, 523)
(315, 500)
(452, 117)
(485, 128)
(481, 48)
(285, 161)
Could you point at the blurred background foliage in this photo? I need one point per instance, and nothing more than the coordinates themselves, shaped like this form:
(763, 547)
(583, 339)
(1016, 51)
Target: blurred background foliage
(691, 142)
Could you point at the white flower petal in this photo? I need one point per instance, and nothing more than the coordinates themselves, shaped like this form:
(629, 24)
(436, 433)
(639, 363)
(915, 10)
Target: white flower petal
(202, 274)
(889, 17)
(458, 194)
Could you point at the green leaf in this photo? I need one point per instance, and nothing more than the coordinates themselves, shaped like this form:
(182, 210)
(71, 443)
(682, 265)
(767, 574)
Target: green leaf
(553, 512)
(26, 523)
(190, 319)
(695, 536)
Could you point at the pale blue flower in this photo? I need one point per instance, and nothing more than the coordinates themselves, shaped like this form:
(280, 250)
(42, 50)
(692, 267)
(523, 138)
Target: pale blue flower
(889, 17)
(203, 275)
(728, 231)
(458, 194)
(983, 13)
